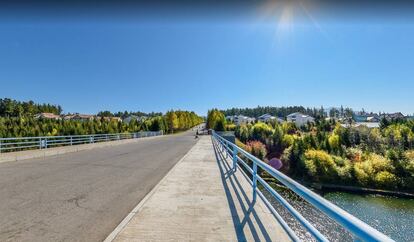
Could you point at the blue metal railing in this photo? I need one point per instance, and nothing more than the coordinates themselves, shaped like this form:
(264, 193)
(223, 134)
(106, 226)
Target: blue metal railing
(359, 229)
(44, 142)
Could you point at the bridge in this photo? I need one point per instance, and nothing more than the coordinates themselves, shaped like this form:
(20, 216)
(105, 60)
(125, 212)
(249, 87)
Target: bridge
(153, 187)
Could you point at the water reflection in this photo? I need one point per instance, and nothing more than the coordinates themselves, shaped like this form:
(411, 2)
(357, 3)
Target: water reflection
(390, 215)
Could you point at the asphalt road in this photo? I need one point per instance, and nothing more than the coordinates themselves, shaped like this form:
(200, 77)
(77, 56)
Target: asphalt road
(83, 196)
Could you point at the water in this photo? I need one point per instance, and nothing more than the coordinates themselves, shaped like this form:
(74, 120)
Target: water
(390, 215)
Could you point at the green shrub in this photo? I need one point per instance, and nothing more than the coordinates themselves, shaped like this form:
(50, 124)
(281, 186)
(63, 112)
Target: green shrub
(385, 179)
(230, 127)
(287, 140)
(261, 131)
(320, 165)
(242, 132)
(370, 172)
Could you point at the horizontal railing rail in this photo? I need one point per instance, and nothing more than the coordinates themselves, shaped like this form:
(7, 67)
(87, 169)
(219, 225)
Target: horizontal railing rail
(44, 142)
(359, 229)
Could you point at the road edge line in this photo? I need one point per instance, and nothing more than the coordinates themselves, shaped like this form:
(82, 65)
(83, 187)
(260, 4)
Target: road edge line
(112, 236)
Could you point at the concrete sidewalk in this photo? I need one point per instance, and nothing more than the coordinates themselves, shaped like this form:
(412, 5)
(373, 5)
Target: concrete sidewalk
(200, 200)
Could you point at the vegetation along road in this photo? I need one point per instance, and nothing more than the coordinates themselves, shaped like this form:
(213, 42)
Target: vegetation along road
(83, 196)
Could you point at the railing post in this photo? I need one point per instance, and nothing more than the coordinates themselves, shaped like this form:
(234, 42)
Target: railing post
(234, 158)
(71, 140)
(40, 143)
(254, 180)
(0, 146)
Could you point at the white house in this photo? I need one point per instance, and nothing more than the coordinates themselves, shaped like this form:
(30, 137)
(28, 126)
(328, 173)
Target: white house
(267, 117)
(240, 119)
(137, 118)
(230, 118)
(128, 119)
(299, 119)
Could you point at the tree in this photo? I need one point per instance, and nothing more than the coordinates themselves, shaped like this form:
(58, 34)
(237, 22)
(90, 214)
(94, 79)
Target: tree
(216, 120)
(172, 121)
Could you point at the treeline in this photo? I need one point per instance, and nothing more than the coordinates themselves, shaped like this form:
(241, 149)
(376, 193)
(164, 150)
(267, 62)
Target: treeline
(28, 126)
(126, 114)
(17, 120)
(181, 120)
(284, 111)
(13, 108)
(326, 152)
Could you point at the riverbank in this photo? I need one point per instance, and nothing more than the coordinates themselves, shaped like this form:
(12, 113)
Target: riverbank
(359, 190)
(323, 188)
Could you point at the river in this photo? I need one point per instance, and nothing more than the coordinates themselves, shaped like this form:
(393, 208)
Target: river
(390, 215)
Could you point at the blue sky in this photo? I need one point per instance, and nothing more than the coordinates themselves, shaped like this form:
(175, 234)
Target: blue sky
(154, 63)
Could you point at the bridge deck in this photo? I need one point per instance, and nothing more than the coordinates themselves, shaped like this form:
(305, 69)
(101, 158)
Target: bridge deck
(201, 200)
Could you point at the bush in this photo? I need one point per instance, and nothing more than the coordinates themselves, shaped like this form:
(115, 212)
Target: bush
(366, 172)
(344, 168)
(240, 144)
(289, 128)
(334, 142)
(320, 165)
(292, 159)
(324, 167)
(261, 131)
(354, 154)
(257, 149)
(230, 127)
(385, 179)
(287, 140)
(242, 132)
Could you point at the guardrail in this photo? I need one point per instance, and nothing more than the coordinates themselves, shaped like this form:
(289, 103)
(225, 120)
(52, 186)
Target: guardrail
(44, 142)
(359, 229)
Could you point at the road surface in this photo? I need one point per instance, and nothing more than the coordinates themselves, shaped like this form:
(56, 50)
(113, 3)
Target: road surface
(83, 196)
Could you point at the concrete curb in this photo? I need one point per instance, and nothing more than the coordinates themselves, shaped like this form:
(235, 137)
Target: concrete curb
(30, 154)
(112, 236)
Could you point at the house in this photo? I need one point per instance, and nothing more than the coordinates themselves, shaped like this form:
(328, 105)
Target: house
(373, 119)
(360, 118)
(83, 117)
(48, 116)
(393, 116)
(361, 124)
(299, 119)
(240, 119)
(267, 118)
(118, 119)
(142, 118)
(68, 117)
(128, 119)
(230, 118)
